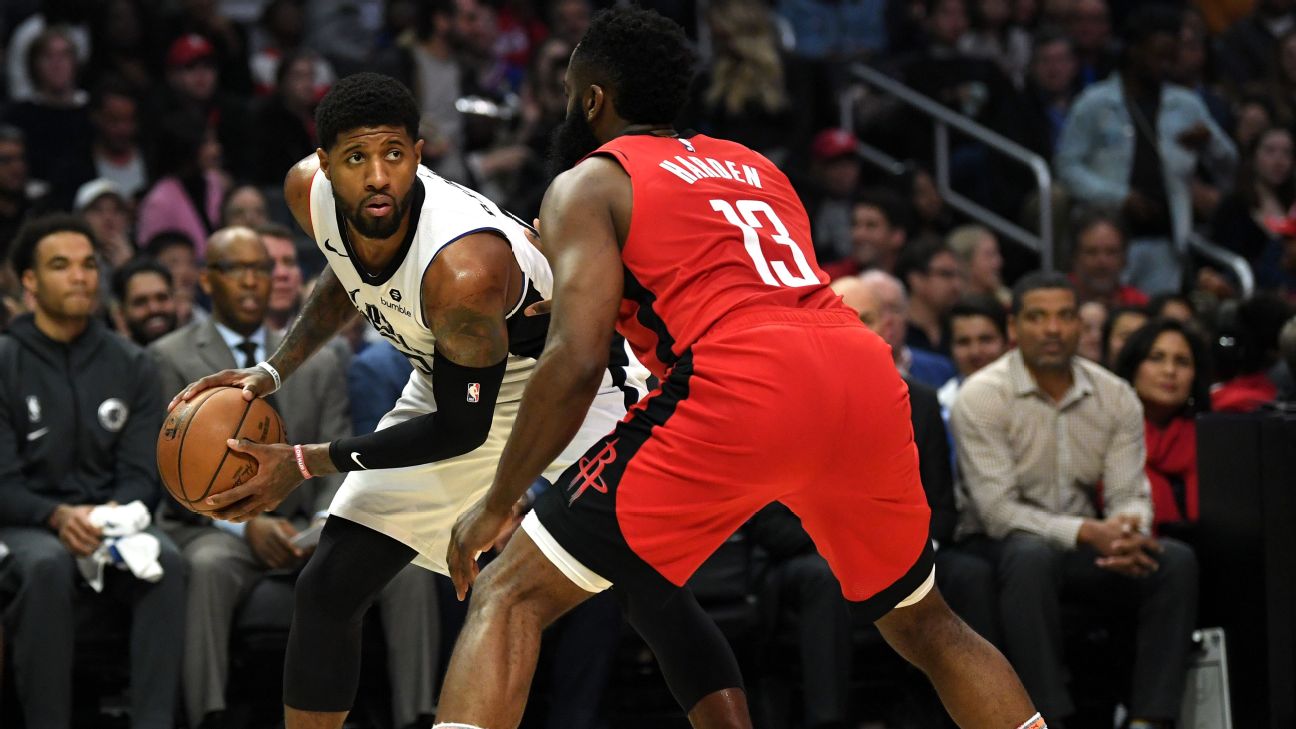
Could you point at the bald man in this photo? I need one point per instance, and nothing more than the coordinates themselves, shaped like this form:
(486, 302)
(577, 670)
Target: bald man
(928, 368)
(227, 560)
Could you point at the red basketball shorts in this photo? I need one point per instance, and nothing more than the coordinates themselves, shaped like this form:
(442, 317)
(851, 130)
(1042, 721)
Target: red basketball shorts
(796, 406)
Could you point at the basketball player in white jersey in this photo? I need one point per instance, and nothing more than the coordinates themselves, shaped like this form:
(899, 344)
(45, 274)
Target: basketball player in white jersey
(445, 275)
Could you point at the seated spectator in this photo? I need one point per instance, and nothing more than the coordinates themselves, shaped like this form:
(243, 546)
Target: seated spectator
(1166, 364)
(926, 367)
(978, 336)
(834, 179)
(1042, 105)
(742, 93)
(995, 38)
(282, 25)
(1247, 350)
(146, 303)
(1193, 68)
(73, 17)
(1121, 323)
(245, 206)
(1041, 517)
(1248, 49)
(200, 86)
(108, 213)
(286, 281)
(20, 196)
(1172, 306)
(225, 559)
(55, 120)
(932, 217)
(1097, 260)
(1148, 174)
(977, 250)
(115, 152)
(185, 197)
(879, 219)
(175, 251)
(78, 433)
(931, 275)
(1089, 25)
(1093, 319)
(285, 120)
(1264, 192)
(122, 47)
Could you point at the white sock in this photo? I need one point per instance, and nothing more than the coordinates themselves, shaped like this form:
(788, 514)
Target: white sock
(455, 726)
(1035, 722)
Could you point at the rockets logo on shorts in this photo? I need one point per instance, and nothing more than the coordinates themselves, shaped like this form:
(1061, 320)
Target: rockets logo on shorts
(474, 391)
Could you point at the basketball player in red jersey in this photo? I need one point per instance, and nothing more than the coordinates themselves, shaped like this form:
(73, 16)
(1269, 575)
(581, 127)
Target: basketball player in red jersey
(698, 252)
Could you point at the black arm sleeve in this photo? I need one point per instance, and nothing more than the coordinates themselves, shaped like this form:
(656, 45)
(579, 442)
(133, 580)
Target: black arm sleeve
(465, 400)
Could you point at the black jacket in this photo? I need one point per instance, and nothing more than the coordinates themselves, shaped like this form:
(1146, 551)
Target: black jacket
(78, 422)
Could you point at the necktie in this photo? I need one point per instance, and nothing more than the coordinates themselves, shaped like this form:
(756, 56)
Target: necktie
(248, 348)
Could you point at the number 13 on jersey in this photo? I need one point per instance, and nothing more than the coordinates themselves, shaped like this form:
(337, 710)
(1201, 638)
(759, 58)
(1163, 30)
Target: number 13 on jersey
(774, 273)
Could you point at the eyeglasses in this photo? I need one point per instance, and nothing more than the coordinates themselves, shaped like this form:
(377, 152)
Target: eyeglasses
(239, 269)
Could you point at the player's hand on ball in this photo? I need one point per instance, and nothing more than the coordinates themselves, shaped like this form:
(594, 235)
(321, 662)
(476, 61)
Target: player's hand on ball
(255, 382)
(474, 532)
(277, 475)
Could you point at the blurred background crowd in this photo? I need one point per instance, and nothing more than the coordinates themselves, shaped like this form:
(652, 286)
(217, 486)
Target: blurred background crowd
(1167, 130)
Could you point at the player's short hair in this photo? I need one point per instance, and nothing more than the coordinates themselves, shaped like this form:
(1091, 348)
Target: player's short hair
(983, 306)
(1038, 281)
(365, 100)
(29, 236)
(134, 267)
(646, 59)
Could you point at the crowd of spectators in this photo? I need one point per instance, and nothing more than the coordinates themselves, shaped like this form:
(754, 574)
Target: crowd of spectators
(146, 242)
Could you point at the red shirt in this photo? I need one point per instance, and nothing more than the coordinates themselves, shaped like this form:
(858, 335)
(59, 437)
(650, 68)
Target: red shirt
(715, 228)
(1172, 470)
(1243, 394)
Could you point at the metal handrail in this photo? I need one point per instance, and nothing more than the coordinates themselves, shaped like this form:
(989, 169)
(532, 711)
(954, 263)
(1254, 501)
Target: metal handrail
(945, 118)
(1223, 256)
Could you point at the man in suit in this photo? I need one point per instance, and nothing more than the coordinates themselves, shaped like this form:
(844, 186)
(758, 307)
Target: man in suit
(226, 560)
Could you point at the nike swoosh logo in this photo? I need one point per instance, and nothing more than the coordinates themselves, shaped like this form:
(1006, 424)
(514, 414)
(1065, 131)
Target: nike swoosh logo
(328, 246)
(38, 433)
(354, 456)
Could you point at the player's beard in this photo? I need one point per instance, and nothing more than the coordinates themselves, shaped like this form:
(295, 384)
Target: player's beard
(375, 228)
(571, 141)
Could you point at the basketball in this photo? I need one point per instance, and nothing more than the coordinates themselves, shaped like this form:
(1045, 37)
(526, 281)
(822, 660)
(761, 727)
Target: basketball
(192, 456)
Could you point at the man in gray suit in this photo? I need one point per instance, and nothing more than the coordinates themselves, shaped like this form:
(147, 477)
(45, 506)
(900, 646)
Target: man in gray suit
(226, 560)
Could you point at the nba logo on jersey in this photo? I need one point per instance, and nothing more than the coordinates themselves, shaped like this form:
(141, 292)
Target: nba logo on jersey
(474, 391)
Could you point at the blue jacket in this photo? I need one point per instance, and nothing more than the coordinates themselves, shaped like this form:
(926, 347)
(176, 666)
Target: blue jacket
(1096, 150)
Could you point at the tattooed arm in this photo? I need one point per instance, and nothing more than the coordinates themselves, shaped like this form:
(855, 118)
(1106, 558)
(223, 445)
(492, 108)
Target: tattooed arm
(466, 293)
(325, 313)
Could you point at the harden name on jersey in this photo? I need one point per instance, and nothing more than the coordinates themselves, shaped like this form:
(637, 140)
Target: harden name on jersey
(692, 168)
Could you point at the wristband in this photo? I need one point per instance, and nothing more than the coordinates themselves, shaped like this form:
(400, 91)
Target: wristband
(274, 374)
(301, 462)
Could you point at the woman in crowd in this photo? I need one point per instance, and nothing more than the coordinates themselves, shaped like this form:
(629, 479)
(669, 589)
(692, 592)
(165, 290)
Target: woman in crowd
(1121, 323)
(1265, 190)
(978, 252)
(1166, 363)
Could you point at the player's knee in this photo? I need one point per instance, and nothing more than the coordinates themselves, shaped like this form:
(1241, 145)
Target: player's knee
(320, 599)
(512, 590)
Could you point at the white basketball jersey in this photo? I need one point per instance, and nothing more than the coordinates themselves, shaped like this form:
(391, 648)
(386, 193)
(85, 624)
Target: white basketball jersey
(392, 300)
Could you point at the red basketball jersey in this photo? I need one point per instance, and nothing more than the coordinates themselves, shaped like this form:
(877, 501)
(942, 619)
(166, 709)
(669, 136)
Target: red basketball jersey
(715, 228)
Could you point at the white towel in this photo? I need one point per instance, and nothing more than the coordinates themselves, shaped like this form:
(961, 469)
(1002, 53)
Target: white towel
(125, 545)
